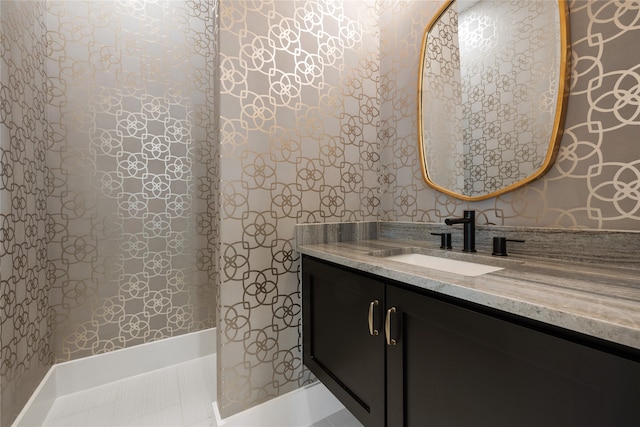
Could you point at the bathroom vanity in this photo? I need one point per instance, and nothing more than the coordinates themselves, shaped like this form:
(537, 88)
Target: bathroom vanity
(538, 342)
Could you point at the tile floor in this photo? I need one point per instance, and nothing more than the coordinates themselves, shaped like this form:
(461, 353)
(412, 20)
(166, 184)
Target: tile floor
(339, 419)
(176, 396)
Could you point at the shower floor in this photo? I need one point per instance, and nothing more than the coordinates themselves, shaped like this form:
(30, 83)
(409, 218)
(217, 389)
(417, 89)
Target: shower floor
(176, 396)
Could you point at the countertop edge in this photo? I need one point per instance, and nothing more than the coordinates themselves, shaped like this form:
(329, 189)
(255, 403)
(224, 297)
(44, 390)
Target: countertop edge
(443, 283)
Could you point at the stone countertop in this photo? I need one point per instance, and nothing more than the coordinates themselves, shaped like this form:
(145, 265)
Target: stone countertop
(596, 300)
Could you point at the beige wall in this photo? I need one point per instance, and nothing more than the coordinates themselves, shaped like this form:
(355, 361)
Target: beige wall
(25, 313)
(132, 172)
(298, 121)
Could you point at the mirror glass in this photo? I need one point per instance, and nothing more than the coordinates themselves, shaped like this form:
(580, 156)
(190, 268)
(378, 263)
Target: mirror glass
(492, 94)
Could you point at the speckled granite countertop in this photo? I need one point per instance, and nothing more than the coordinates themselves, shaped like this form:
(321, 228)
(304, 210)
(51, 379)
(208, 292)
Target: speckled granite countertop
(597, 300)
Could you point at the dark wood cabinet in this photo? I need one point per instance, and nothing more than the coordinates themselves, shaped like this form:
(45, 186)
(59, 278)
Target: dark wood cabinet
(453, 366)
(456, 364)
(338, 346)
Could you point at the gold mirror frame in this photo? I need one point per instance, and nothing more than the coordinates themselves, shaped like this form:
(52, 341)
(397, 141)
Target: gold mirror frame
(558, 125)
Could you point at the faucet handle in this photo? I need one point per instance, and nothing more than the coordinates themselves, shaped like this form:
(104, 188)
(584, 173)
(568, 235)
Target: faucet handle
(445, 240)
(500, 245)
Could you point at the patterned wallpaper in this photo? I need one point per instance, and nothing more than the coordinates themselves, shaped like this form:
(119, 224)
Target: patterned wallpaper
(509, 110)
(133, 172)
(595, 182)
(25, 226)
(317, 122)
(299, 117)
(442, 106)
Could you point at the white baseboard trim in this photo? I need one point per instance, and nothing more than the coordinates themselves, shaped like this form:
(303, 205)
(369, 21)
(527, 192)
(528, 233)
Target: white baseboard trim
(302, 407)
(81, 374)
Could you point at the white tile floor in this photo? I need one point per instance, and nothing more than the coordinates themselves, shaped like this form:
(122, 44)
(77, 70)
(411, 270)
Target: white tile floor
(176, 396)
(339, 419)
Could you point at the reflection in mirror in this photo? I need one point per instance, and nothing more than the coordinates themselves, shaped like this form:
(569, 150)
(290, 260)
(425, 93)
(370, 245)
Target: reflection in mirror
(492, 94)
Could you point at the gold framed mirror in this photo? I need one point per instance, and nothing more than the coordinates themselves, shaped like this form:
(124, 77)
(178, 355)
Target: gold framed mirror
(492, 93)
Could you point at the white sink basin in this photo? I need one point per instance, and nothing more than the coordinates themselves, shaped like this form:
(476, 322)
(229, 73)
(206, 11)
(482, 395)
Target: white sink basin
(444, 264)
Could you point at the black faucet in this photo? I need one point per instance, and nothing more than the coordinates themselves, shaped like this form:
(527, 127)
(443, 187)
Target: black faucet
(469, 222)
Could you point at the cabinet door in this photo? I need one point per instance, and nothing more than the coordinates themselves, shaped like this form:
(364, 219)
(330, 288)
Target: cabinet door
(338, 346)
(452, 366)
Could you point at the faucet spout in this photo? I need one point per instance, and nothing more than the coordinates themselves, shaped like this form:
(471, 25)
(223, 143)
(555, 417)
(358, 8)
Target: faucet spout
(469, 221)
(452, 221)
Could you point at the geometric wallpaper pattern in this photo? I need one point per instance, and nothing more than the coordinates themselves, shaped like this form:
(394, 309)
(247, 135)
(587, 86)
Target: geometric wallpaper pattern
(508, 97)
(25, 226)
(299, 113)
(595, 181)
(109, 202)
(133, 172)
(443, 122)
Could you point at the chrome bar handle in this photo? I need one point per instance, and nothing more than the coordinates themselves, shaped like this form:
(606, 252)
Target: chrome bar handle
(387, 327)
(372, 305)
